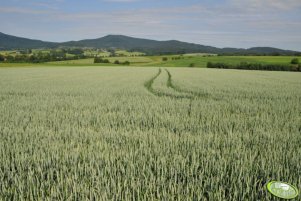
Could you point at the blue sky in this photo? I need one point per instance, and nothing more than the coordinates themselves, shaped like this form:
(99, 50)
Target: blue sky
(220, 23)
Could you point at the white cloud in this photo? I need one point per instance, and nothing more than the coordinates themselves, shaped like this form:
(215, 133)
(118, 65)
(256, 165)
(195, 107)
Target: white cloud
(237, 23)
(19, 10)
(280, 5)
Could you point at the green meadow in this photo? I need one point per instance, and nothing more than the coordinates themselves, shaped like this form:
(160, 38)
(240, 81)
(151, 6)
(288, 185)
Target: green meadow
(185, 61)
(172, 61)
(85, 56)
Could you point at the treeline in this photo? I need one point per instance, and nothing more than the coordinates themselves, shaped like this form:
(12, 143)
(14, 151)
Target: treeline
(101, 60)
(38, 58)
(172, 58)
(106, 61)
(28, 56)
(256, 66)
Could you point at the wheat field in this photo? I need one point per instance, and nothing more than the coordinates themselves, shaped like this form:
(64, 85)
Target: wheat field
(126, 133)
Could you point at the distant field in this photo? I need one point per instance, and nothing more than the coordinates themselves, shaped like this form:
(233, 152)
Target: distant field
(117, 52)
(126, 133)
(93, 53)
(200, 61)
(126, 53)
(36, 51)
(71, 62)
(133, 60)
(184, 61)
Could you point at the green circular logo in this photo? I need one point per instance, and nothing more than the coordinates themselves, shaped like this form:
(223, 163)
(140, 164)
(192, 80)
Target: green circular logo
(282, 189)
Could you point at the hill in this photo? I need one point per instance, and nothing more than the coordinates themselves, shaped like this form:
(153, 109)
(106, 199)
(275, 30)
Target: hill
(8, 42)
(142, 45)
(151, 47)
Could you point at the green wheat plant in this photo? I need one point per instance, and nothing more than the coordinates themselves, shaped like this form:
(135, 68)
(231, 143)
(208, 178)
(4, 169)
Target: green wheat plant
(126, 133)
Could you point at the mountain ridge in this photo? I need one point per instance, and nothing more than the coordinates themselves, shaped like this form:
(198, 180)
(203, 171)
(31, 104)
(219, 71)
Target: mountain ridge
(148, 46)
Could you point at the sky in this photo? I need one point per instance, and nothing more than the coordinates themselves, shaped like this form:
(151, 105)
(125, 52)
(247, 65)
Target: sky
(219, 23)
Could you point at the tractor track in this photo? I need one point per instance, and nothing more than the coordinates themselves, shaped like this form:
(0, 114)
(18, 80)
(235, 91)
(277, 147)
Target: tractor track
(194, 94)
(185, 94)
(149, 86)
